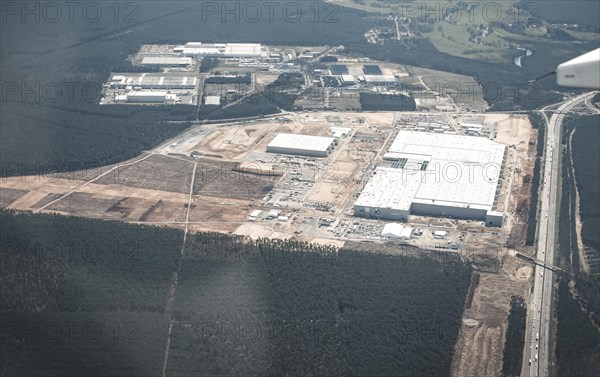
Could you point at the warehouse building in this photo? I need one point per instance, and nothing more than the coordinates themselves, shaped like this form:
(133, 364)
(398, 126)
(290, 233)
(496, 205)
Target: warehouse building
(348, 80)
(302, 145)
(166, 61)
(147, 96)
(380, 79)
(433, 174)
(152, 81)
(223, 50)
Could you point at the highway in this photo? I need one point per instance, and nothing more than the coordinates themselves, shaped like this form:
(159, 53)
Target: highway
(537, 352)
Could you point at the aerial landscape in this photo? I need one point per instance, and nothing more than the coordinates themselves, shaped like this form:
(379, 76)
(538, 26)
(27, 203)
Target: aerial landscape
(291, 188)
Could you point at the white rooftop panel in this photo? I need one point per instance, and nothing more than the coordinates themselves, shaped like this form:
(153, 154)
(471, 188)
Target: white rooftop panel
(304, 142)
(165, 60)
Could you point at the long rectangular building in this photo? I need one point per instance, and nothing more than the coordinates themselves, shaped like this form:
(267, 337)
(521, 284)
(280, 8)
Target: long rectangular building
(152, 81)
(166, 61)
(436, 175)
(302, 145)
(223, 50)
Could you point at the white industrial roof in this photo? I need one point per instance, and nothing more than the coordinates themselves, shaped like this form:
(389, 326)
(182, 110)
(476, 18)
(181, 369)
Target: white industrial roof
(165, 60)
(154, 80)
(147, 93)
(441, 169)
(212, 100)
(340, 131)
(303, 142)
(380, 78)
(225, 49)
(396, 230)
(390, 188)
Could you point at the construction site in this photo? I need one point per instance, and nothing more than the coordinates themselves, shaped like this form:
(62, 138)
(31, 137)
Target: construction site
(301, 176)
(316, 172)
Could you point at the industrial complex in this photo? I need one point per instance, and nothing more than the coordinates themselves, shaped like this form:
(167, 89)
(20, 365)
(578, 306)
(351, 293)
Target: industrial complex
(436, 175)
(235, 71)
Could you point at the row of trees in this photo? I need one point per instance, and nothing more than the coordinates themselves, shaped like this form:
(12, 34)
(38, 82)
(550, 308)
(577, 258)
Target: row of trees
(515, 338)
(538, 123)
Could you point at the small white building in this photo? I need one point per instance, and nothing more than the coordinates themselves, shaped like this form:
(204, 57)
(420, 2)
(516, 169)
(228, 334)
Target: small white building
(212, 100)
(339, 132)
(395, 230)
(253, 216)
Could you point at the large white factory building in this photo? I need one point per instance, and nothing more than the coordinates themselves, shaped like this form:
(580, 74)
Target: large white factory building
(152, 81)
(302, 145)
(222, 50)
(432, 174)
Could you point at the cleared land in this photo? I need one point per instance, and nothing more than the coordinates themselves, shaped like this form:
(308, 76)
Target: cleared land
(234, 176)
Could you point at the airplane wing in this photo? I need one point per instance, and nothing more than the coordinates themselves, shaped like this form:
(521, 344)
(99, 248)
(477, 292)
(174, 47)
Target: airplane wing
(581, 72)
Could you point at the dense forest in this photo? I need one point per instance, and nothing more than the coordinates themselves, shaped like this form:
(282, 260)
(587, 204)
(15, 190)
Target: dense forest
(578, 307)
(81, 296)
(515, 338)
(578, 345)
(537, 122)
(586, 154)
(287, 308)
(386, 102)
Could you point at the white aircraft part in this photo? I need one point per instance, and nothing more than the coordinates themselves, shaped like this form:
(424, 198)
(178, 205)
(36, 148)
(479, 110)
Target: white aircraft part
(581, 72)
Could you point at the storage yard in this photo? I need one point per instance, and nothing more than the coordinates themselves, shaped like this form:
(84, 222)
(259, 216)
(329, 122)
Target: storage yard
(233, 180)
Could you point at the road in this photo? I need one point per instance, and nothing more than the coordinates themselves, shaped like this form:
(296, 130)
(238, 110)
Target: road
(537, 345)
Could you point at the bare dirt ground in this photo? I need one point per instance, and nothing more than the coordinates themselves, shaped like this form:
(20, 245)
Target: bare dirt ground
(230, 180)
(517, 133)
(478, 351)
